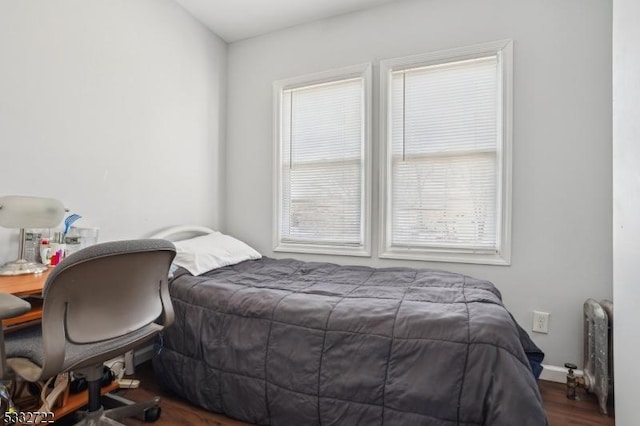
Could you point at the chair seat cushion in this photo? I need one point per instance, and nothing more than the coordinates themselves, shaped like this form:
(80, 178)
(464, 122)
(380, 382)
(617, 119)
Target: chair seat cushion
(27, 343)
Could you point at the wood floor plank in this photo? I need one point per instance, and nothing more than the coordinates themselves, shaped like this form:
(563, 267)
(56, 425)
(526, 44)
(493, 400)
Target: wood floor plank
(565, 412)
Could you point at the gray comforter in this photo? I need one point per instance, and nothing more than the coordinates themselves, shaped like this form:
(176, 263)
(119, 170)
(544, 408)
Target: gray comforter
(287, 342)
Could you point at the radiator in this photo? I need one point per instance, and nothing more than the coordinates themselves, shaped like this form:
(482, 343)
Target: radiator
(598, 350)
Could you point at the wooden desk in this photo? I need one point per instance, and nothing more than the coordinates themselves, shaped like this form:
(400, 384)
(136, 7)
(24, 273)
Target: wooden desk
(25, 285)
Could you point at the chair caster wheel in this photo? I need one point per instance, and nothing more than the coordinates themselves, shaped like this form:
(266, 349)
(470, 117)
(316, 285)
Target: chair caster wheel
(152, 414)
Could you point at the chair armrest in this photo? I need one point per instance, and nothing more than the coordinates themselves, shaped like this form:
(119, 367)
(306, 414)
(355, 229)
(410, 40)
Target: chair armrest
(12, 306)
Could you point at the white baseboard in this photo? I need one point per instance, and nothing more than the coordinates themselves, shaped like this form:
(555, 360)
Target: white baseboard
(143, 353)
(140, 354)
(553, 373)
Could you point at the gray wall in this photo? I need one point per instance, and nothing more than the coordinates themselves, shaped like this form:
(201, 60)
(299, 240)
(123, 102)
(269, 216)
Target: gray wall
(561, 150)
(117, 108)
(626, 205)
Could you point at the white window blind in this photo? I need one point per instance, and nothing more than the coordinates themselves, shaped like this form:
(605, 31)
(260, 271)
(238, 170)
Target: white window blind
(444, 158)
(322, 164)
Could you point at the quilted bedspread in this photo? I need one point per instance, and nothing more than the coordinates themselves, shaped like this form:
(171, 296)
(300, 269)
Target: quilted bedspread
(287, 342)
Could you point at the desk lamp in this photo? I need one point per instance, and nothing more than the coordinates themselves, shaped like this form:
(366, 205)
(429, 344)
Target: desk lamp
(28, 212)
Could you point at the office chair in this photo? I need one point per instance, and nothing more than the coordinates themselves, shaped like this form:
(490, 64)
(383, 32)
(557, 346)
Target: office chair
(99, 302)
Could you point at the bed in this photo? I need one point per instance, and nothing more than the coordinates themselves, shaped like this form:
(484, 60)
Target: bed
(287, 342)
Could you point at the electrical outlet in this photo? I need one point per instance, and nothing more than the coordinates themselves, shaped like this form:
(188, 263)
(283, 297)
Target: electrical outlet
(540, 322)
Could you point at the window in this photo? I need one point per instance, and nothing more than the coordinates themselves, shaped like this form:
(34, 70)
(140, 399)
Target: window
(322, 163)
(447, 155)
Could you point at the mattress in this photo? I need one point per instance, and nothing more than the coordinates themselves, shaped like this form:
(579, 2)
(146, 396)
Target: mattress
(287, 342)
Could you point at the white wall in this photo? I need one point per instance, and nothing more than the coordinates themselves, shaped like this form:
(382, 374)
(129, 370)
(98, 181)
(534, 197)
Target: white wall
(562, 137)
(117, 108)
(626, 205)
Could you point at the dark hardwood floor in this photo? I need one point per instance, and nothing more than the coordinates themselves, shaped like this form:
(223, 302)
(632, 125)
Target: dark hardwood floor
(176, 411)
(562, 411)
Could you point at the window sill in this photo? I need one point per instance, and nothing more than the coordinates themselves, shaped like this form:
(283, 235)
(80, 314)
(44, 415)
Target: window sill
(322, 249)
(481, 257)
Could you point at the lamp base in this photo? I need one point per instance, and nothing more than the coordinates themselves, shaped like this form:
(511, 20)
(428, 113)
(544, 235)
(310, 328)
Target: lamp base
(21, 267)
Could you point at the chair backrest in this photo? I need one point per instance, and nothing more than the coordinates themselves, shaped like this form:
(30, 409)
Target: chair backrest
(105, 292)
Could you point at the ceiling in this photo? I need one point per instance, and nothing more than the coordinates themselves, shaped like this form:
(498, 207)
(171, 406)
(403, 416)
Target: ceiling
(235, 20)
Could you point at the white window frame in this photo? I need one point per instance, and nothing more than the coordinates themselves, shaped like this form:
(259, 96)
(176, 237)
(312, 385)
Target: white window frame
(364, 249)
(503, 49)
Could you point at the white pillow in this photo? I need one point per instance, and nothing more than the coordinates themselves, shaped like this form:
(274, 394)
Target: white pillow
(201, 254)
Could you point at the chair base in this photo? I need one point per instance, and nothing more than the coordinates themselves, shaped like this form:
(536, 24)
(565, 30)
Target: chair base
(119, 408)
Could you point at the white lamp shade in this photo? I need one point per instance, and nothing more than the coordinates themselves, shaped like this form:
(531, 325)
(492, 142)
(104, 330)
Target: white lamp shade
(30, 212)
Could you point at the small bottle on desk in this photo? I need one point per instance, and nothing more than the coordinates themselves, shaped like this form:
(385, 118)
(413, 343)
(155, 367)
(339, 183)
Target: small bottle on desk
(45, 251)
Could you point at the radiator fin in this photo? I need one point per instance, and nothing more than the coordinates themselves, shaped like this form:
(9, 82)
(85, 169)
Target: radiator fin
(598, 349)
